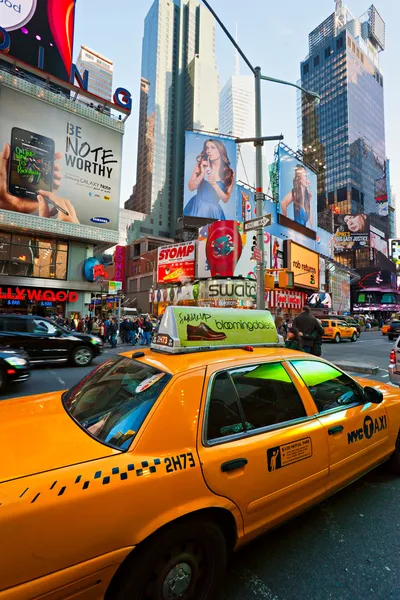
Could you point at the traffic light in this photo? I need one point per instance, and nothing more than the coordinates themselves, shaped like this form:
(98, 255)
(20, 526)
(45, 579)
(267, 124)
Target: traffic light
(254, 244)
(285, 279)
(312, 279)
(269, 281)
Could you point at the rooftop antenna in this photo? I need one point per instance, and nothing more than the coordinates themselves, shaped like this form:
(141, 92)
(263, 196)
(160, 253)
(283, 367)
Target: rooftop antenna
(340, 12)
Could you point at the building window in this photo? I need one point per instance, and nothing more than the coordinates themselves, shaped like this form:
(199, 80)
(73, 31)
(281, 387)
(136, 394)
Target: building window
(316, 61)
(331, 198)
(342, 194)
(328, 52)
(306, 68)
(339, 43)
(31, 256)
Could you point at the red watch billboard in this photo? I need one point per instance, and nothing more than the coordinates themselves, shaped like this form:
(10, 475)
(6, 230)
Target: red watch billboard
(176, 263)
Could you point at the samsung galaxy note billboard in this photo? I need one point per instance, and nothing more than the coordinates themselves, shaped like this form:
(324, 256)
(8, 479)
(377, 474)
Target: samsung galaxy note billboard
(57, 165)
(39, 33)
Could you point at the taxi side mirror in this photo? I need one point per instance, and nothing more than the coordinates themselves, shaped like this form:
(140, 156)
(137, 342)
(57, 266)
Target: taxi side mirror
(373, 395)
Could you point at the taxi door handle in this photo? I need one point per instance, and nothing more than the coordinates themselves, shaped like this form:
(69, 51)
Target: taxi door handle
(336, 429)
(231, 465)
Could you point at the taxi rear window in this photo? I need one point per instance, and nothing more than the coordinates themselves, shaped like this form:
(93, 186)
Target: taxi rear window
(325, 323)
(113, 401)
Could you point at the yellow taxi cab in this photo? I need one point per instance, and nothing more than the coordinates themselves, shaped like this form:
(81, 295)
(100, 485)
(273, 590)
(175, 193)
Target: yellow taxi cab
(136, 483)
(336, 330)
(385, 328)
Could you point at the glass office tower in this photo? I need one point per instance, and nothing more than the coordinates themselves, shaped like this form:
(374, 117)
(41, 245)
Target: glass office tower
(344, 136)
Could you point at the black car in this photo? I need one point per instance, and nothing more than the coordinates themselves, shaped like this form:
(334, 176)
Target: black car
(46, 342)
(14, 367)
(394, 330)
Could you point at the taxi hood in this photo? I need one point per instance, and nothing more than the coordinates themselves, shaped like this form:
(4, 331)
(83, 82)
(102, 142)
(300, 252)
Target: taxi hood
(38, 435)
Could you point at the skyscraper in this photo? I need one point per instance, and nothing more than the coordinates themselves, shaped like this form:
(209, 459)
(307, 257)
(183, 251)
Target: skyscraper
(100, 72)
(179, 91)
(236, 117)
(344, 136)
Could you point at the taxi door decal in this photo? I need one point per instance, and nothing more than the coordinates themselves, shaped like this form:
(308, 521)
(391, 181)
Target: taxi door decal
(287, 454)
(369, 428)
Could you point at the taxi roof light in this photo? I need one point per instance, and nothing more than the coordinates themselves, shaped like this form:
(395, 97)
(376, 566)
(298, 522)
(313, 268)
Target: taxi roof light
(186, 329)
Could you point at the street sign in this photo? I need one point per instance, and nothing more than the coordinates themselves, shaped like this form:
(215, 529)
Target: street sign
(257, 254)
(258, 222)
(114, 286)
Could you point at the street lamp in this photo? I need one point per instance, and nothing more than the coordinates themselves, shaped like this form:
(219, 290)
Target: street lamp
(258, 141)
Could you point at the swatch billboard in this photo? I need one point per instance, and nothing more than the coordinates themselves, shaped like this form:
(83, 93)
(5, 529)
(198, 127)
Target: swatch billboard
(40, 33)
(224, 250)
(57, 165)
(210, 176)
(297, 190)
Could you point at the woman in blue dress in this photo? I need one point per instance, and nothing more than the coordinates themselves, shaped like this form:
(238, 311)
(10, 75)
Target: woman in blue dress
(300, 196)
(213, 181)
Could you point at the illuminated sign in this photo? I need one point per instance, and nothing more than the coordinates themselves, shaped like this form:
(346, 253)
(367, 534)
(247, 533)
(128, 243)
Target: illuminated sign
(37, 295)
(394, 250)
(305, 266)
(93, 269)
(119, 260)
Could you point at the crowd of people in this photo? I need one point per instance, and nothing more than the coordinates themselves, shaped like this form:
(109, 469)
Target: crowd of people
(303, 333)
(136, 331)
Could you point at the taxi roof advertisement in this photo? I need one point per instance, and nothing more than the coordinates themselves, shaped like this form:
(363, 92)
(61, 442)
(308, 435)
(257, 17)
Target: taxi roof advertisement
(305, 266)
(193, 327)
(57, 165)
(176, 262)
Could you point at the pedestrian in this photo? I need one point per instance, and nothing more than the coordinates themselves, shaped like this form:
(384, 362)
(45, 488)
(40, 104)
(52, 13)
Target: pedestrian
(89, 325)
(107, 324)
(280, 326)
(147, 328)
(309, 327)
(102, 332)
(113, 330)
(96, 327)
(293, 341)
(317, 346)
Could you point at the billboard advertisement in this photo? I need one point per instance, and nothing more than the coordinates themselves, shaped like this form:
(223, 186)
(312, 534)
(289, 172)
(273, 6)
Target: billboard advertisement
(377, 240)
(305, 265)
(176, 262)
(210, 175)
(56, 164)
(394, 250)
(297, 190)
(351, 232)
(224, 250)
(246, 205)
(41, 33)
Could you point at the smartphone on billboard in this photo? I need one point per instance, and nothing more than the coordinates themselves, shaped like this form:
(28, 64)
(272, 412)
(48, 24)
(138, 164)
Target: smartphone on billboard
(31, 163)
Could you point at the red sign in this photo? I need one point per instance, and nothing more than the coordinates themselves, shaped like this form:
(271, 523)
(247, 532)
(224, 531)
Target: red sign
(257, 254)
(119, 259)
(176, 263)
(38, 295)
(285, 299)
(99, 271)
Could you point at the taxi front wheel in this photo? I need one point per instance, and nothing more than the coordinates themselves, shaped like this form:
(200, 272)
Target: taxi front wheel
(186, 560)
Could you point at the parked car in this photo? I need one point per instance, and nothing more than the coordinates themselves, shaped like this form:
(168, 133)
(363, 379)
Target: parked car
(14, 367)
(394, 330)
(45, 341)
(337, 330)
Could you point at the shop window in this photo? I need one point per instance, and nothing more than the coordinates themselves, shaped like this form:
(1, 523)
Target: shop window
(34, 257)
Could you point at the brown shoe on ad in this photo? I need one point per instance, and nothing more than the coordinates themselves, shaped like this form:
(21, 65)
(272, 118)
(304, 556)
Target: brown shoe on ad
(203, 333)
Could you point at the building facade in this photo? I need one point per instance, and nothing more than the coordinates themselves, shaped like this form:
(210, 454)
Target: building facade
(344, 136)
(100, 70)
(237, 118)
(178, 91)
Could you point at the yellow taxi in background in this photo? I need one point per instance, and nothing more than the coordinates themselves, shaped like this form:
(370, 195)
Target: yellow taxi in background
(385, 328)
(137, 482)
(336, 330)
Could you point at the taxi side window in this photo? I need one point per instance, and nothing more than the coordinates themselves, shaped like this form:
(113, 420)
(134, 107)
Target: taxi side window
(267, 395)
(250, 398)
(329, 387)
(224, 416)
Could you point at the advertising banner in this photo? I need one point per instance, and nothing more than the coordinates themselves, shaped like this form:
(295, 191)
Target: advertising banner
(57, 165)
(394, 249)
(378, 242)
(227, 293)
(305, 265)
(246, 205)
(224, 250)
(176, 262)
(297, 190)
(351, 232)
(41, 33)
(210, 175)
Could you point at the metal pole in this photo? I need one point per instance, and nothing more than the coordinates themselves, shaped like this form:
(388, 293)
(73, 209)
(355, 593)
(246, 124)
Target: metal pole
(119, 314)
(259, 189)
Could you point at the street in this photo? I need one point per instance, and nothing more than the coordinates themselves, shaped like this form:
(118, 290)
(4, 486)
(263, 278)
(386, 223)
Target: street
(341, 549)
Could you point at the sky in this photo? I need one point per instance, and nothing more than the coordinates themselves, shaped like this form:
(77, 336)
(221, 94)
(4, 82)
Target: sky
(273, 35)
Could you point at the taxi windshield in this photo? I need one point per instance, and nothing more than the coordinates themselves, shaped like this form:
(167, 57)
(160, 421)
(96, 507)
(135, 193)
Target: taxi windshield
(114, 400)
